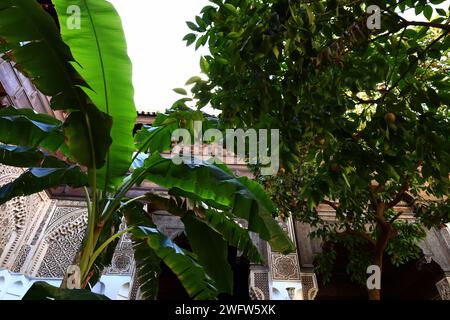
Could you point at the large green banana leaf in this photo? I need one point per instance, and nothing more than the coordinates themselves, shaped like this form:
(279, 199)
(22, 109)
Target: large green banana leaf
(208, 233)
(40, 53)
(158, 137)
(210, 182)
(234, 234)
(155, 138)
(224, 224)
(147, 262)
(24, 157)
(39, 179)
(24, 127)
(99, 47)
(20, 156)
(45, 291)
(211, 250)
(151, 244)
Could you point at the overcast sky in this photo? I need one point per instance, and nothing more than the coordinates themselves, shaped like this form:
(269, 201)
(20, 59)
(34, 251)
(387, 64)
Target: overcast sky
(161, 60)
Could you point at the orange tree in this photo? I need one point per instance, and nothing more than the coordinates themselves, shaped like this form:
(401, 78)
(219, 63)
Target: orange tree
(363, 112)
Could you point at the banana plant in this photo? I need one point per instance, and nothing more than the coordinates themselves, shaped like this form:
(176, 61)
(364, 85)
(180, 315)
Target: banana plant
(87, 73)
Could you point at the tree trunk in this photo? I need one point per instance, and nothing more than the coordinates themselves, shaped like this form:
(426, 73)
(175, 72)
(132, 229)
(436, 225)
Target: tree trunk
(380, 247)
(375, 294)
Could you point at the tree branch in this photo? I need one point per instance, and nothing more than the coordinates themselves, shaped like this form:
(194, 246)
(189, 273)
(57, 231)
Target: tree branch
(396, 217)
(426, 24)
(373, 201)
(399, 196)
(331, 204)
(405, 186)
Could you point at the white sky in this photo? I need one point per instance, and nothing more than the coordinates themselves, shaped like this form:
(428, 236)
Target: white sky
(161, 60)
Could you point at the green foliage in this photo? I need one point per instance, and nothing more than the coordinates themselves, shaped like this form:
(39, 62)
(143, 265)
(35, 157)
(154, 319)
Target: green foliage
(158, 136)
(236, 235)
(26, 128)
(26, 157)
(100, 50)
(192, 276)
(40, 53)
(211, 250)
(435, 213)
(403, 247)
(147, 262)
(88, 75)
(222, 221)
(363, 114)
(210, 182)
(39, 179)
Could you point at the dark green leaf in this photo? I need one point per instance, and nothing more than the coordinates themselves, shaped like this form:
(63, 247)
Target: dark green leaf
(234, 234)
(212, 183)
(27, 157)
(24, 127)
(211, 250)
(153, 243)
(192, 26)
(190, 38)
(428, 12)
(39, 179)
(42, 55)
(45, 291)
(441, 12)
(100, 49)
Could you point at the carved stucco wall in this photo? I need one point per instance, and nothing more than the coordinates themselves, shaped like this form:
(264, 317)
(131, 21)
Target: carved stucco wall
(19, 221)
(285, 270)
(39, 237)
(59, 241)
(280, 278)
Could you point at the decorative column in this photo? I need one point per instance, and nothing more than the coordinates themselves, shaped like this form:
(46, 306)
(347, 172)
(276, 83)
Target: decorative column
(310, 286)
(307, 249)
(135, 291)
(19, 222)
(285, 273)
(259, 282)
(286, 277)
